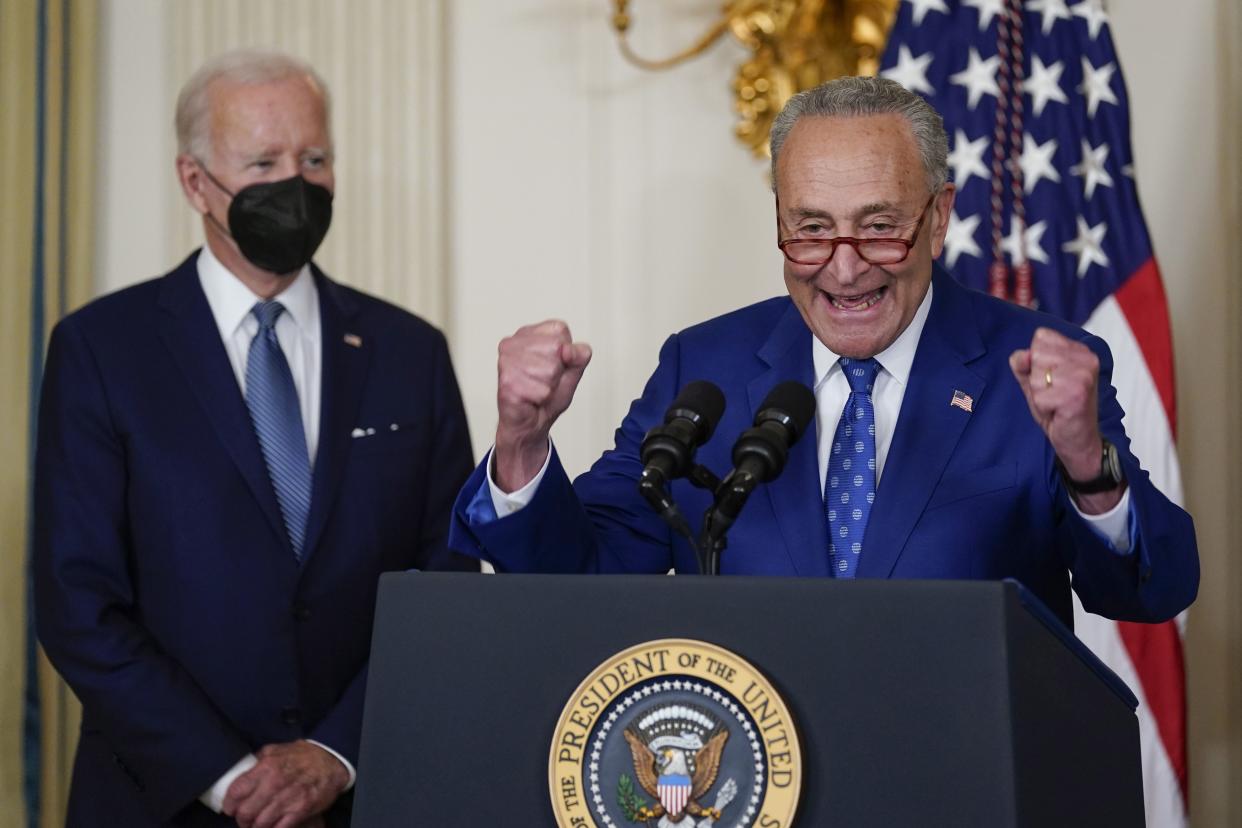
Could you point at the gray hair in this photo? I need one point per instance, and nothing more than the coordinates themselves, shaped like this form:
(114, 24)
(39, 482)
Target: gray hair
(860, 96)
(242, 66)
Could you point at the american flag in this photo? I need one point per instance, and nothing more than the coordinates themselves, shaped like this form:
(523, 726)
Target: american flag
(963, 401)
(1047, 214)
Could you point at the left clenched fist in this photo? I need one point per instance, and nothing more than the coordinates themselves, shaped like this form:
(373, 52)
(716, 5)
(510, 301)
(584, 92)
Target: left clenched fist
(1060, 379)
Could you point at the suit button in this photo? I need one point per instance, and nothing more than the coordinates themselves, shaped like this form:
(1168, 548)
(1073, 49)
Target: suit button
(301, 612)
(291, 716)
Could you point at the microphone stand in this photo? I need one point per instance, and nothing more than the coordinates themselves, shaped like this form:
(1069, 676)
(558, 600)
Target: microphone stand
(729, 497)
(708, 560)
(712, 543)
(652, 489)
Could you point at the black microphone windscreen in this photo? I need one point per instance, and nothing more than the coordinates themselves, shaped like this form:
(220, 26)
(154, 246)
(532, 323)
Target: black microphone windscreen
(794, 401)
(703, 399)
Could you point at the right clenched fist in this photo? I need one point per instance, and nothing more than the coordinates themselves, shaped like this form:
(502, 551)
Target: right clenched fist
(539, 370)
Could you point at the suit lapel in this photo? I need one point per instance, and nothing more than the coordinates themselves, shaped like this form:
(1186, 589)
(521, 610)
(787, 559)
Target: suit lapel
(346, 357)
(928, 427)
(190, 334)
(801, 520)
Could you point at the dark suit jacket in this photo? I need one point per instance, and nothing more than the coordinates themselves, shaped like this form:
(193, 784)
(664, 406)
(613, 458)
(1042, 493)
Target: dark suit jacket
(963, 495)
(167, 593)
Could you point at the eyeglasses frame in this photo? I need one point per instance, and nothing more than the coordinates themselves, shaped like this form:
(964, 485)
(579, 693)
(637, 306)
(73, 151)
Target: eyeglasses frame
(851, 241)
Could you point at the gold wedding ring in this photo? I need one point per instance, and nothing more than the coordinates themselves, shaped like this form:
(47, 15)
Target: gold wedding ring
(1048, 378)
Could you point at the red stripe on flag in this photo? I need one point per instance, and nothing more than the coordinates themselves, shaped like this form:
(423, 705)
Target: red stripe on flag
(1143, 302)
(1156, 652)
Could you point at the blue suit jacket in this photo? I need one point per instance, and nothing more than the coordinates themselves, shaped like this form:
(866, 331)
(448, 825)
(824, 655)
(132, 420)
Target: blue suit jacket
(963, 495)
(167, 593)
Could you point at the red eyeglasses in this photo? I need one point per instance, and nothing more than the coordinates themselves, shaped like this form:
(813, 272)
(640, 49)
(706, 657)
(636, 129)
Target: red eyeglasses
(886, 251)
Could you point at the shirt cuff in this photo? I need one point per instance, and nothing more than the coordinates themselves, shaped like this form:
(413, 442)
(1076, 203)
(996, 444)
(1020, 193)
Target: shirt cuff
(353, 774)
(1114, 525)
(506, 503)
(213, 797)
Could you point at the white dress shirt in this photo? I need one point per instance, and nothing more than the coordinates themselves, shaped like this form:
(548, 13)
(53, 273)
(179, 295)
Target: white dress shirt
(299, 333)
(297, 330)
(832, 389)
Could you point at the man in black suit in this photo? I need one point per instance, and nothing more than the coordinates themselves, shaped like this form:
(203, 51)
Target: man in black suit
(228, 458)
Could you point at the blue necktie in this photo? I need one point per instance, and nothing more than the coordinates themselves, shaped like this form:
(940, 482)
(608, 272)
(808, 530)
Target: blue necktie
(849, 487)
(277, 417)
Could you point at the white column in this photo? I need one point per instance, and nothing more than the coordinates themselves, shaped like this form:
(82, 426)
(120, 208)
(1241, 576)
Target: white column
(135, 179)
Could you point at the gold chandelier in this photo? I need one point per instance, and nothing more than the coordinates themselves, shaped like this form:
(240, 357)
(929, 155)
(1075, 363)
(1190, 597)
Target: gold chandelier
(794, 45)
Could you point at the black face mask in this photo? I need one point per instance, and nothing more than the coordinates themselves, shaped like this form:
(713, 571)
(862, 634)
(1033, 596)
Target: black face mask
(278, 225)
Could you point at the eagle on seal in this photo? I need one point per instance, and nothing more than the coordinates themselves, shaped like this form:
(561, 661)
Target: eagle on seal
(663, 770)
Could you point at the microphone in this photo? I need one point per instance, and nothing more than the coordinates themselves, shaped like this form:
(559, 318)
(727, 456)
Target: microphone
(667, 451)
(760, 453)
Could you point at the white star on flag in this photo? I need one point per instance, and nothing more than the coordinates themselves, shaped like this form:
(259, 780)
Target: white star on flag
(967, 157)
(1029, 247)
(1093, 12)
(922, 7)
(987, 10)
(1044, 84)
(911, 71)
(1052, 10)
(961, 238)
(1036, 162)
(1088, 246)
(1095, 85)
(978, 77)
(1092, 168)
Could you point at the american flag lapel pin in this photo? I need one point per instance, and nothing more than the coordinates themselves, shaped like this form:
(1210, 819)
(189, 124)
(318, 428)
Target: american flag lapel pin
(963, 401)
(353, 339)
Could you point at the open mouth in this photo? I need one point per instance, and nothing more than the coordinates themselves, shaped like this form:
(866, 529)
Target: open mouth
(858, 301)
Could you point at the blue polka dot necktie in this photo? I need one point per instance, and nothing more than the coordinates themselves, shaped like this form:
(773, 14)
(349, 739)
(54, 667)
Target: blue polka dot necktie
(277, 417)
(849, 486)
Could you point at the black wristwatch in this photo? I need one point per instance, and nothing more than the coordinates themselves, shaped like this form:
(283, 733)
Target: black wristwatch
(1109, 478)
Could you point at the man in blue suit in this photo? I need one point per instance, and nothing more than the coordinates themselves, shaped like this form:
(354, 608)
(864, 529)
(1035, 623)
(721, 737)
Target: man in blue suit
(957, 436)
(228, 458)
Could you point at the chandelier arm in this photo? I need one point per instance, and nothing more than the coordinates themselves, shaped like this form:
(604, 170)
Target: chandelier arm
(704, 43)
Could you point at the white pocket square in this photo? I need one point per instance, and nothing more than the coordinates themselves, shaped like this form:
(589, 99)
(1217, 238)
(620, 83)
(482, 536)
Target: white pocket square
(368, 432)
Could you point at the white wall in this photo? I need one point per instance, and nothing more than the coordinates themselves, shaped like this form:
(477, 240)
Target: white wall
(588, 190)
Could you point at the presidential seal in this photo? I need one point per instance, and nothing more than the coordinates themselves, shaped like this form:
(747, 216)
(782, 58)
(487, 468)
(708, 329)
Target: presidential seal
(675, 733)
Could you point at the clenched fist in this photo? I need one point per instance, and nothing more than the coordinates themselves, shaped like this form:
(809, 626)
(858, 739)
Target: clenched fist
(1060, 379)
(539, 370)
